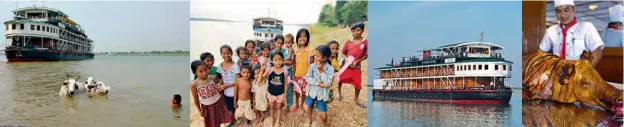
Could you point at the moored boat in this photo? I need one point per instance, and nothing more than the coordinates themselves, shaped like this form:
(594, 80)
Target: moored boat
(266, 28)
(45, 34)
(467, 72)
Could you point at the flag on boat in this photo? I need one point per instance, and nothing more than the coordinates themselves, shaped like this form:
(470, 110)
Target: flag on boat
(481, 36)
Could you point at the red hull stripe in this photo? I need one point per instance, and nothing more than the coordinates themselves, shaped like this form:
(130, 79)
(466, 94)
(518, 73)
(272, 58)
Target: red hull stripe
(481, 91)
(457, 101)
(26, 60)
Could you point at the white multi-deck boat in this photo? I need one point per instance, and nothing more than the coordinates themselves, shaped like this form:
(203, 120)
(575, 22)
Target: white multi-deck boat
(468, 72)
(45, 34)
(266, 28)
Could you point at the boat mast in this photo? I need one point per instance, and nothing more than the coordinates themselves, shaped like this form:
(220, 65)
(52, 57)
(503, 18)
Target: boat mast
(481, 36)
(269, 9)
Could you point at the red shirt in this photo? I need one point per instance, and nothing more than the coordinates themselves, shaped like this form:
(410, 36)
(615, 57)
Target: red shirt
(253, 59)
(356, 50)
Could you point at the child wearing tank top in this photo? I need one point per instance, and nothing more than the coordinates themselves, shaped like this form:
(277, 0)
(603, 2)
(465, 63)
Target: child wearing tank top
(277, 80)
(206, 97)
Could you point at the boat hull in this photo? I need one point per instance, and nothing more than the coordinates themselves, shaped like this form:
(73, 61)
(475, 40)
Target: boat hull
(499, 96)
(34, 55)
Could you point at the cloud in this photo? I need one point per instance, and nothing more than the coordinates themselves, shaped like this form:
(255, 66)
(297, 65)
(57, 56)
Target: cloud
(292, 12)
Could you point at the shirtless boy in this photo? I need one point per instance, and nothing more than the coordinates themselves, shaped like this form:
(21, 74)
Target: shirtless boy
(242, 96)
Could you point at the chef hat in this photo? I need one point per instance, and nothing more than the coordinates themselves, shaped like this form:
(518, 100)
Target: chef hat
(615, 13)
(564, 2)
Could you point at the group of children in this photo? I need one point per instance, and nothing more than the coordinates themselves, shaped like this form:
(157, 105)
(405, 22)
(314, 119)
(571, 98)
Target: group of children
(265, 79)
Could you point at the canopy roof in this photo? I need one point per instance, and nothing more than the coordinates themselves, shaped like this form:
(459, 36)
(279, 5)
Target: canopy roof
(40, 8)
(492, 45)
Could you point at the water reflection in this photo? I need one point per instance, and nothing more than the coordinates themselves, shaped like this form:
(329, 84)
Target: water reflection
(409, 113)
(549, 114)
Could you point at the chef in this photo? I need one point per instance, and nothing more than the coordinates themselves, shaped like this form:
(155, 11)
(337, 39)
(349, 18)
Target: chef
(571, 37)
(612, 36)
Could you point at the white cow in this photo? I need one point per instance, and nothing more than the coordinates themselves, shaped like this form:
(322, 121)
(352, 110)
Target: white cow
(71, 86)
(96, 87)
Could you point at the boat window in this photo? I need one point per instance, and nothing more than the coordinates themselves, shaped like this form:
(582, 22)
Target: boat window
(486, 67)
(47, 29)
(21, 26)
(469, 68)
(474, 67)
(7, 26)
(504, 67)
(12, 26)
(32, 27)
(266, 35)
(509, 68)
(496, 67)
(480, 67)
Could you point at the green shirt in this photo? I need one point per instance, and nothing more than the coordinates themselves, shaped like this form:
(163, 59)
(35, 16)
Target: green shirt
(214, 72)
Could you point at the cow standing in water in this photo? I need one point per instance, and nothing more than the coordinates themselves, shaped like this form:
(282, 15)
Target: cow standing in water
(71, 86)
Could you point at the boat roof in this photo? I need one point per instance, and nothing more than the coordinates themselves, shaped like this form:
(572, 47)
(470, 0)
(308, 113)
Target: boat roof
(267, 30)
(40, 8)
(492, 45)
(19, 21)
(269, 18)
(460, 61)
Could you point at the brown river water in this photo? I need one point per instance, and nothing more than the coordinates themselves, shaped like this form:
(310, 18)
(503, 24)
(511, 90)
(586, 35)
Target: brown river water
(141, 91)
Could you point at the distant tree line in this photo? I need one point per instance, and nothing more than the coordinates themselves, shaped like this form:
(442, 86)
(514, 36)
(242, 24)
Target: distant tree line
(146, 52)
(343, 13)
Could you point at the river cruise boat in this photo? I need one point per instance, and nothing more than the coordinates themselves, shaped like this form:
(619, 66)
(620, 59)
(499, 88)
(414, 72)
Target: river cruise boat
(45, 34)
(467, 72)
(266, 28)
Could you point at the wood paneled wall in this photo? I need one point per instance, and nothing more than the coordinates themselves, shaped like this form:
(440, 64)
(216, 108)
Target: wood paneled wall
(610, 66)
(533, 25)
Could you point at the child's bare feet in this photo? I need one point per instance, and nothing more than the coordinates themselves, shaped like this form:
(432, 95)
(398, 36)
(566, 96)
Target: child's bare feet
(338, 97)
(277, 123)
(293, 108)
(307, 123)
(360, 104)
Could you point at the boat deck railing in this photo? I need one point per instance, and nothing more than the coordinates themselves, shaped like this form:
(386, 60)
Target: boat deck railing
(417, 72)
(435, 57)
(446, 88)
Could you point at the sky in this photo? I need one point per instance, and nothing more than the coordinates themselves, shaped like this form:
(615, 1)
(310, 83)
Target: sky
(291, 12)
(209, 36)
(398, 29)
(122, 25)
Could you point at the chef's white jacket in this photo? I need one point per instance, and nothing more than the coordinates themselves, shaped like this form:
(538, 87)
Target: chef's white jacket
(612, 38)
(582, 36)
